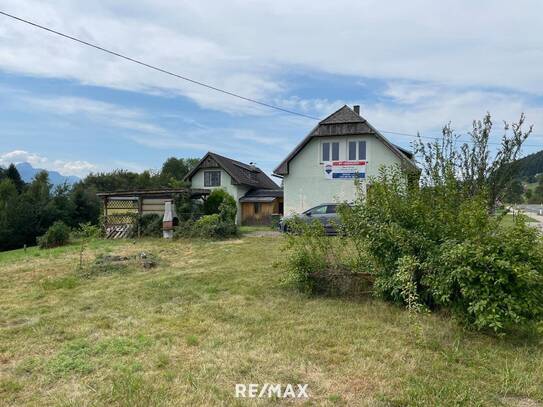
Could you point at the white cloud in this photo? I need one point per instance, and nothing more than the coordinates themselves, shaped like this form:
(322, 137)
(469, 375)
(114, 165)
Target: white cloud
(78, 167)
(18, 156)
(194, 136)
(244, 46)
(102, 112)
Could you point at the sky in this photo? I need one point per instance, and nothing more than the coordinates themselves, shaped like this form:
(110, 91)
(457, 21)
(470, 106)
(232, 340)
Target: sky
(411, 66)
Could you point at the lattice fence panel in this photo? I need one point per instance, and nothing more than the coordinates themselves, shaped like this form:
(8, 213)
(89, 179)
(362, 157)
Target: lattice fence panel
(121, 219)
(129, 204)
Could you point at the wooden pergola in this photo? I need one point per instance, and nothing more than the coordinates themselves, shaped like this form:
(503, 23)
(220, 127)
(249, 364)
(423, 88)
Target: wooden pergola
(122, 209)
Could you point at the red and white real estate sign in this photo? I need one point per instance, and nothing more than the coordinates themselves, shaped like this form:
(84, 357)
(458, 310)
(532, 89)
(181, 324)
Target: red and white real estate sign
(345, 169)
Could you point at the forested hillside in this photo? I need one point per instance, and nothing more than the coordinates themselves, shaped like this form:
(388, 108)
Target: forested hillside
(527, 183)
(530, 165)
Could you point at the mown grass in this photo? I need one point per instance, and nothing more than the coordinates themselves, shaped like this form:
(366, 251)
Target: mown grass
(214, 314)
(259, 228)
(509, 219)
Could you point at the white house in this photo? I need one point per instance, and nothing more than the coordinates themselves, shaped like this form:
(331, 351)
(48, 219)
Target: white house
(341, 148)
(256, 195)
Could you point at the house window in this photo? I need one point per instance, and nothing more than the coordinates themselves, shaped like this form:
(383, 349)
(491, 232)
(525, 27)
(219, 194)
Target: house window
(212, 178)
(257, 208)
(335, 151)
(357, 147)
(361, 150)
(352, 150)
(326, 156)
(325, 152)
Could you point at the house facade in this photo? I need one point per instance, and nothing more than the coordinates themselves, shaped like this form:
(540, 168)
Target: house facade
(342, 148)
(256, 195)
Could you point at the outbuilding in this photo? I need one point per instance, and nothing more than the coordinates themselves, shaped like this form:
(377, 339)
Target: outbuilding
(256, 195)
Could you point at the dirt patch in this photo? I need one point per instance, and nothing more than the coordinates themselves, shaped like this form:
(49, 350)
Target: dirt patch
(521, 402)
(108, 263)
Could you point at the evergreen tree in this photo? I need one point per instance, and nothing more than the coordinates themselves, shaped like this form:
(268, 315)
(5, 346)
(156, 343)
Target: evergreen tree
(13, 174)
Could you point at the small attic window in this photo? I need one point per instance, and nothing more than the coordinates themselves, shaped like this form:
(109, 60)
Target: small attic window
(212, 178)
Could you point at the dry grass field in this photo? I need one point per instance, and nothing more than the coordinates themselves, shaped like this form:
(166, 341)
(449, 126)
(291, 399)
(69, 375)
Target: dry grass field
(213, 314)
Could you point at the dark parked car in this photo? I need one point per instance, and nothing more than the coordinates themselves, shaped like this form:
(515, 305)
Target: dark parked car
(325, 213)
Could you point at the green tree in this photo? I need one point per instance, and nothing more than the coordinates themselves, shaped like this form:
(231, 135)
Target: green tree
(86, 205)
(13, 174)
(472, 165)
(174, 170)
(514, 192)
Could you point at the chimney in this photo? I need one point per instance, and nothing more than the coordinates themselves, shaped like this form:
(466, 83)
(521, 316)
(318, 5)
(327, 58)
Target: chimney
(356, 109)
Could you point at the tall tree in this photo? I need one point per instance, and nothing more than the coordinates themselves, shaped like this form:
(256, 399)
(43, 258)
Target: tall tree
(472, 165)
(13, 174)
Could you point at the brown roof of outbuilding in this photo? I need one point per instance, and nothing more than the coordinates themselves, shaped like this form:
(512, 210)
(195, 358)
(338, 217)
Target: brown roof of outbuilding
(276, 193)
(343, 122)
(241, 173)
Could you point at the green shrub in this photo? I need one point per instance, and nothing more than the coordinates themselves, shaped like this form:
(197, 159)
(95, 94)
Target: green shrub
(150, 225)
(207, 227)
(492, 282)
(306, 249)
(319, 264)
(57, 235)
(434, 247)
(220, 201)
(88, 231)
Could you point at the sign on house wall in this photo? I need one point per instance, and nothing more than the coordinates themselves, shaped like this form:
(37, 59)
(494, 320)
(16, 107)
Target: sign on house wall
(345, 169)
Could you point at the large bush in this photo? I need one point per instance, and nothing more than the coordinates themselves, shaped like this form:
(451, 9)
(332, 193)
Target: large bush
(150, 225)
(57, 235)
(217, 198)
(219, 222)
(434, 247)
(207, 227)
(319, 264)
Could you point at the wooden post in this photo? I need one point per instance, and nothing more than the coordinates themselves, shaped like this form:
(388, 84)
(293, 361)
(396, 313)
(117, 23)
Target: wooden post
(140, 213)
(105, 215)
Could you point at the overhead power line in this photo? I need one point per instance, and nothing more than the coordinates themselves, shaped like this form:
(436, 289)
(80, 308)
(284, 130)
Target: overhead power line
(199, 83)
(156, 68)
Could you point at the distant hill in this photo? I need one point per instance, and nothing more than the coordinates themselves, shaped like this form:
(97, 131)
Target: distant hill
(530, 165)
(28, 172)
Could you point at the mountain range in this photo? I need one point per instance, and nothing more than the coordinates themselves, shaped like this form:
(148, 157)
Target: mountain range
(28, 173)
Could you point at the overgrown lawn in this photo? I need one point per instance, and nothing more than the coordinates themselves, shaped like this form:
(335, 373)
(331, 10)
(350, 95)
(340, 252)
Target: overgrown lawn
(214, 314)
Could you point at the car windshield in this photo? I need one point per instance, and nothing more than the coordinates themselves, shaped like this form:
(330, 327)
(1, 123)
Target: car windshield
(318, 210)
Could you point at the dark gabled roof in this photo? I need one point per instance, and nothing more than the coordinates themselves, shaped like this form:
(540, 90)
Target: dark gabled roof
(343, 122)
(241, 173)
(276, 193)
(153, 193)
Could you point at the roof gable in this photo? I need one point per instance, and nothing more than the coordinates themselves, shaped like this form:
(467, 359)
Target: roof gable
(241, 173)
(343, 115)
(343, 122)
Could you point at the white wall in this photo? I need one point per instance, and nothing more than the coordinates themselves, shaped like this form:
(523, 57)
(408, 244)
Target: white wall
(306, 185)
(237, 191)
